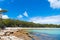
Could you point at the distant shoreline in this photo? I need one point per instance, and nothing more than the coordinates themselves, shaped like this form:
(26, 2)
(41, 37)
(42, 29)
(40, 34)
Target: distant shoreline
(28, 28)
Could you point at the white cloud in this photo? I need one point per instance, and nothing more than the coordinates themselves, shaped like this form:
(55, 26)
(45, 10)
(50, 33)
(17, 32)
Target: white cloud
(5, 17)
(0, 9)
(25, 14)
(46, 20)
(20, 16)
(55, 4)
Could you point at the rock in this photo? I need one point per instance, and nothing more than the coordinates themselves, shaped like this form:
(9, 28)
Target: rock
(22, 34)
(10, 38)
(17, 35)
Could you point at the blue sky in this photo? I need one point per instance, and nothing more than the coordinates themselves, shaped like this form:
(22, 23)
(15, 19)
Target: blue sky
(37, 11)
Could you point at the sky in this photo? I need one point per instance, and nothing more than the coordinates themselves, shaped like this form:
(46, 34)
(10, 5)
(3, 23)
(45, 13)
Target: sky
(37, 11)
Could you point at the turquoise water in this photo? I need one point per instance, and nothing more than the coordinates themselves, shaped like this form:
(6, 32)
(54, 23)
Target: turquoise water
(50, 34)
(48, 31)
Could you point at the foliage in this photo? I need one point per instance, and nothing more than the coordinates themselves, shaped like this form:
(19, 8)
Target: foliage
(19, 23)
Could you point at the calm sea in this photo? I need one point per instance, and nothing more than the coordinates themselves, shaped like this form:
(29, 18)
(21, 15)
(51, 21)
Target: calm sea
(46, 34)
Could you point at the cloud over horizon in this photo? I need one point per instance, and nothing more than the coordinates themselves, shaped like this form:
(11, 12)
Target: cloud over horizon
(5, 17)
(46, 20)
(20, 16)
(55, 4)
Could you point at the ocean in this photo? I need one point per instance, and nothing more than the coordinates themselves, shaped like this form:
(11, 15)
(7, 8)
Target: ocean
(46, 34)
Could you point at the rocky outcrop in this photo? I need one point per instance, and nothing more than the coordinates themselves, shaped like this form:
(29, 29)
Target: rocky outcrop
(17, 35)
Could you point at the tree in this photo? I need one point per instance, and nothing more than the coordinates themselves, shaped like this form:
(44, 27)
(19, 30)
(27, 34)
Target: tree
(1, 11)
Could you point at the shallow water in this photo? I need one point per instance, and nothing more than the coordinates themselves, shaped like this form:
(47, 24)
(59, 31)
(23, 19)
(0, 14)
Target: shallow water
(46, 34)
(48, 31)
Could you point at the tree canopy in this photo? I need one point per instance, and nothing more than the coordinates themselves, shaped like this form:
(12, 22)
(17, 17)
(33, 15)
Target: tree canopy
(19, 23)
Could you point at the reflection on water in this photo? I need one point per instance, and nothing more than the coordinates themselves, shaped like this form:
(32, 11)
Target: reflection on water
(46, 34)
(48, 31)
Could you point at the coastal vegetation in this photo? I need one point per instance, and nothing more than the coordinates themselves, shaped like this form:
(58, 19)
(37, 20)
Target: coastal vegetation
(19, 23)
